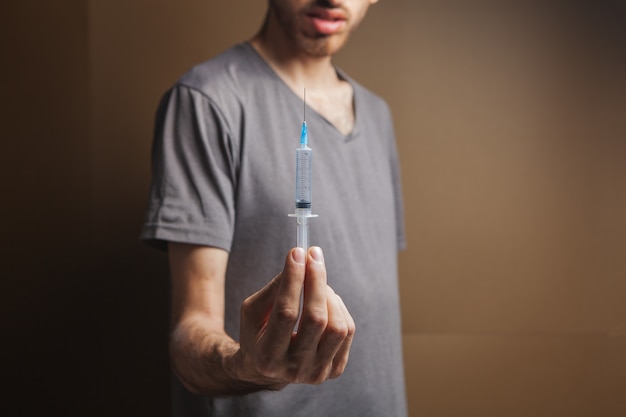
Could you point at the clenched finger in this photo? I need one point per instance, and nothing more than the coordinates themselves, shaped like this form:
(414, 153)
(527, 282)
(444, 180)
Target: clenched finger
(337, 330)
(341, 357)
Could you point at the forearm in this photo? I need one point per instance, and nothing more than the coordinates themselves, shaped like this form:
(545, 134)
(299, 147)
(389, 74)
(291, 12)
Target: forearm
(207, 361)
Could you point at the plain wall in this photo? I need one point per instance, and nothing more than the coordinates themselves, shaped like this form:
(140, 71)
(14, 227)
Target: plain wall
(512, 137)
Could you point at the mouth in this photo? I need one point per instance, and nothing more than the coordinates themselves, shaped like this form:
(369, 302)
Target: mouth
(327, 21)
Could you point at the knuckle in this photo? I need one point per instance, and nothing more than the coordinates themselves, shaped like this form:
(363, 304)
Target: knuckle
(337, 330)
(246, 305)
(335, 373)
(317, 320)
(351, 329)
(337, 369)
(286, 315)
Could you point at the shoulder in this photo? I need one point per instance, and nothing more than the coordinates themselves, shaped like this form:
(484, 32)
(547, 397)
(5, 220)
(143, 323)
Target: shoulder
(224, 88)
(228, 69)
(225, 79)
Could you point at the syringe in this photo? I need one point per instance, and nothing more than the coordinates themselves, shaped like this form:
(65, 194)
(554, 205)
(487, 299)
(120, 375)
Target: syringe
(304, 172)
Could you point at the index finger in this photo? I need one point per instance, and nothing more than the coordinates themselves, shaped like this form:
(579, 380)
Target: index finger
(284, 314)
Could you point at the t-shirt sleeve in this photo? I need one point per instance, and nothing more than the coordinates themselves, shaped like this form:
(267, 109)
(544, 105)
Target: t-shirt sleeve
(191, 198)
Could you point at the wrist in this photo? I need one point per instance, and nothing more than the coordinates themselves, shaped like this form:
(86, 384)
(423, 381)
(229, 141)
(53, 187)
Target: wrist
(239, 369)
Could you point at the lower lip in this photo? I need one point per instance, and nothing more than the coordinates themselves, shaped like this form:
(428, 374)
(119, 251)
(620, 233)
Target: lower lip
(327, 27)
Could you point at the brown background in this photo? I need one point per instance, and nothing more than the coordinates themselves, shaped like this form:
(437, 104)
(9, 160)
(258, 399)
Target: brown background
(511, 124)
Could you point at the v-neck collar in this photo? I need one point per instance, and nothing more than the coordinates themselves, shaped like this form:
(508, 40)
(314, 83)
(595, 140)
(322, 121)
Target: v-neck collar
(354, 133)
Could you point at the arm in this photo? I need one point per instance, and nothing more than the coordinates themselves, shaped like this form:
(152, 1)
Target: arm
(200, 349)
(269, 355)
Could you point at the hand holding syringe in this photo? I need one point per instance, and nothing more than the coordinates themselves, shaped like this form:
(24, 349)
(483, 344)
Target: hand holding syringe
(275, 346)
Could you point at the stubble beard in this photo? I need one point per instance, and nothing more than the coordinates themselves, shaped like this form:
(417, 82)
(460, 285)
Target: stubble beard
(318, 47)
(307, 44)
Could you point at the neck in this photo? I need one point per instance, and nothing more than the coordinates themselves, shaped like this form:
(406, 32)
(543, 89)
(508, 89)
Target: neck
(295, 67)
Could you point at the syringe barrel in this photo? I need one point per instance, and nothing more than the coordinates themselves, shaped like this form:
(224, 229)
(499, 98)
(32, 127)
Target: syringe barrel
(304, 157)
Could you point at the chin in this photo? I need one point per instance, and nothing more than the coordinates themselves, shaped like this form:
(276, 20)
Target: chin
(322, 47)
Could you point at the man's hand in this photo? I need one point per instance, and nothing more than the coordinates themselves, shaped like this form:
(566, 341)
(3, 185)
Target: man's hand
(271, 353)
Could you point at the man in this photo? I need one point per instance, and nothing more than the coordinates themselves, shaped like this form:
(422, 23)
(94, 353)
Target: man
(223, 183)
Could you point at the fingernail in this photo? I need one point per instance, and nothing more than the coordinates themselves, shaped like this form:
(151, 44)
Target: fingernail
(316, 254)
(298, 255)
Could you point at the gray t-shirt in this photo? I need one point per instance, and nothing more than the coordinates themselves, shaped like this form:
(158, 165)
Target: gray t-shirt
(224, 176)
